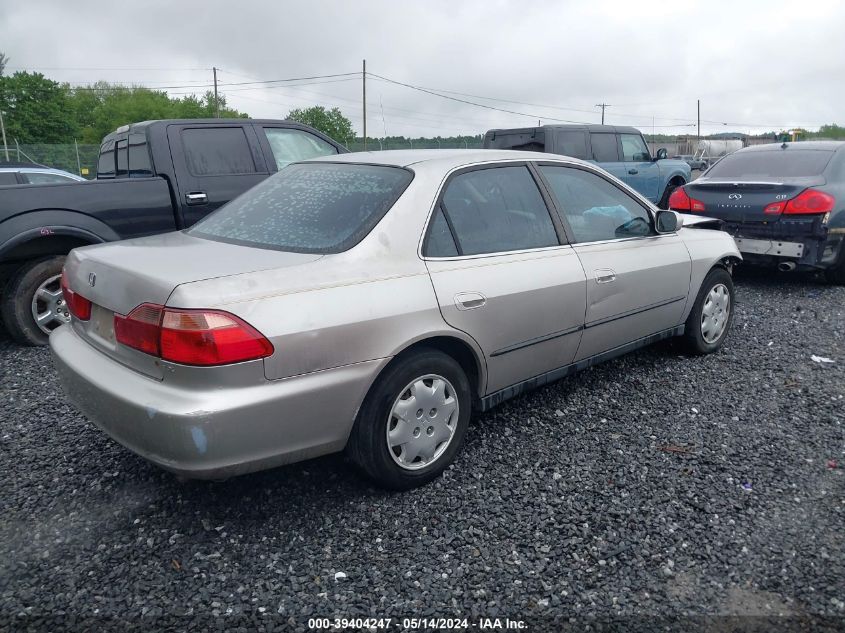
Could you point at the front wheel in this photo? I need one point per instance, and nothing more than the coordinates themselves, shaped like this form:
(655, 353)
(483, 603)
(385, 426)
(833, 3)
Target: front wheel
(712, 314)
(32, 303)
(664, 201)
(413, 421)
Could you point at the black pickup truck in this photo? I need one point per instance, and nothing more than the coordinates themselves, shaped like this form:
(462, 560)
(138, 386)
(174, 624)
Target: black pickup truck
(152, 177)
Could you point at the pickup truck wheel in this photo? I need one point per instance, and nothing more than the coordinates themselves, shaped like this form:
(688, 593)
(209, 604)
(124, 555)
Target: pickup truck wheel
(412, 422)
(32, 303)
(710, 320)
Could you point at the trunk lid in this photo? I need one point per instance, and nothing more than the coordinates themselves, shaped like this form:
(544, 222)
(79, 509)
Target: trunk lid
(118, 276)
(745, 201)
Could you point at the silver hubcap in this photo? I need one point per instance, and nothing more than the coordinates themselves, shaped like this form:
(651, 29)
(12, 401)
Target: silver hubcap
(714, 315)
(48, 306)
(422, 422)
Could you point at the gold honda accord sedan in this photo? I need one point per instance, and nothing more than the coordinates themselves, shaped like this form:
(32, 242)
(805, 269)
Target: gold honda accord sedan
(372, 302)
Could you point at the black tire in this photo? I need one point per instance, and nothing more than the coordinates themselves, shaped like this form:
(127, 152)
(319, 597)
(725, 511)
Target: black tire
(694, 338)
(664, 201)
(836, 274)
(368, 446)
(16, 303)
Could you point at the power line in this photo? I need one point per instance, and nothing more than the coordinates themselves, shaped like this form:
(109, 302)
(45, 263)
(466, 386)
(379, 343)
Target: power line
(236, 83)
(480, 105)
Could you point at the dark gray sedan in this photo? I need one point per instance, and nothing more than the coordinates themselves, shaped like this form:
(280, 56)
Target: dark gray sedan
(783, 203)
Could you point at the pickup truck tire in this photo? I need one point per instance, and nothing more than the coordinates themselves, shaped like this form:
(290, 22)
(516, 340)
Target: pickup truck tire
(710, 320)
(19, 304)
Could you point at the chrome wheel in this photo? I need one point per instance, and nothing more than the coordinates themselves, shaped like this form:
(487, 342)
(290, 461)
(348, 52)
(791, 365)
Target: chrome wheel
(422, 422)
(48, 305)
(715, 313)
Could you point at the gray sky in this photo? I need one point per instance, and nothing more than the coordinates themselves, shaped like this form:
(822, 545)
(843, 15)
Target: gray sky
(756, 66)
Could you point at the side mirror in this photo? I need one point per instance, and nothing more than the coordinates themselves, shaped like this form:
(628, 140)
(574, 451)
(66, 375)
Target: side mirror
(667, 221)
(662, 154)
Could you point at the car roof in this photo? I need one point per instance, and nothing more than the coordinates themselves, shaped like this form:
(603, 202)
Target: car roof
(34, 168)
(595, 128)
(444, 158)
(830, 146)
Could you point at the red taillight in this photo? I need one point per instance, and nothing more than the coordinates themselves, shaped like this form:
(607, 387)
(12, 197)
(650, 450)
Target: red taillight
(191, 337)
(680, 201)
(79, 306)
(810, 201)
(140, 329)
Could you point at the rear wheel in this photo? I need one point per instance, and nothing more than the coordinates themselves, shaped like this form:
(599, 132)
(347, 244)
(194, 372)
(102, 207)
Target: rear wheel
(32, 305)
(413, 421)
(710, 320)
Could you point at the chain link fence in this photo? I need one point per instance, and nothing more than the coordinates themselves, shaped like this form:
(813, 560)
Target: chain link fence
(77, 159)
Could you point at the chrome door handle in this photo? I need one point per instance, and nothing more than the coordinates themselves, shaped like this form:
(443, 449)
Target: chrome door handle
(605, 276)
(633, 171)
(469, 300)
(196, 197)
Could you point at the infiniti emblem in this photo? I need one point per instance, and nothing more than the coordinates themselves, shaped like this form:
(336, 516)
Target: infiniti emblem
(735, 196)
(92, 279)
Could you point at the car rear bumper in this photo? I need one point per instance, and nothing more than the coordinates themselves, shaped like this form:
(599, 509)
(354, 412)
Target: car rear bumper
(808, 245)
(212, 432)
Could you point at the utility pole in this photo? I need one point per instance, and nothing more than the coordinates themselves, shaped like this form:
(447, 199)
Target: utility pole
(698, 108)
(216, 100)
(3, 130)
(602, 106)
(364, 77)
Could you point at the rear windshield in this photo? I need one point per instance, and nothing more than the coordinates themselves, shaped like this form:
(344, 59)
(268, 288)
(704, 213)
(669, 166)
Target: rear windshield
(789, 163)
(308, 208)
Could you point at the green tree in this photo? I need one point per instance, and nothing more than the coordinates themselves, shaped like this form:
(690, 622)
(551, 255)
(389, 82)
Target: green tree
(35, 109)
(330, 122)
(100, 109)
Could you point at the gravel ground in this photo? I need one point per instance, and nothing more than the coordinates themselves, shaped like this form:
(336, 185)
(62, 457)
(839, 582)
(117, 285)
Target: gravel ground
(653, 485)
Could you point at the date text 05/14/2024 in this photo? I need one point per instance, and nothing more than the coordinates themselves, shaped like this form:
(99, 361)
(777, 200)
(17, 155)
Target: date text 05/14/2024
(410, 624)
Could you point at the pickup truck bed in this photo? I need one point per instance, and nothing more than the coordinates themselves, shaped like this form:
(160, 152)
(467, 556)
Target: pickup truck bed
(152, 177)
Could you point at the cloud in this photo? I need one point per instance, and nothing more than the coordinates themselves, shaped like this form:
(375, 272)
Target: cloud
(755, 65)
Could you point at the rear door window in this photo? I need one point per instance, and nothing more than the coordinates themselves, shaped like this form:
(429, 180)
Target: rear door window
(605, 148)
(8, 178)
(139, 157)
(778, 163)
(217, 151)
(290, 146)
(498, 210)
(440, 241)
(573, 144)
(309, 208)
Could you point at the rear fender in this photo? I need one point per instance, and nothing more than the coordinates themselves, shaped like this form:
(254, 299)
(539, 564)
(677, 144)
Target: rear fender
(24, 228)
